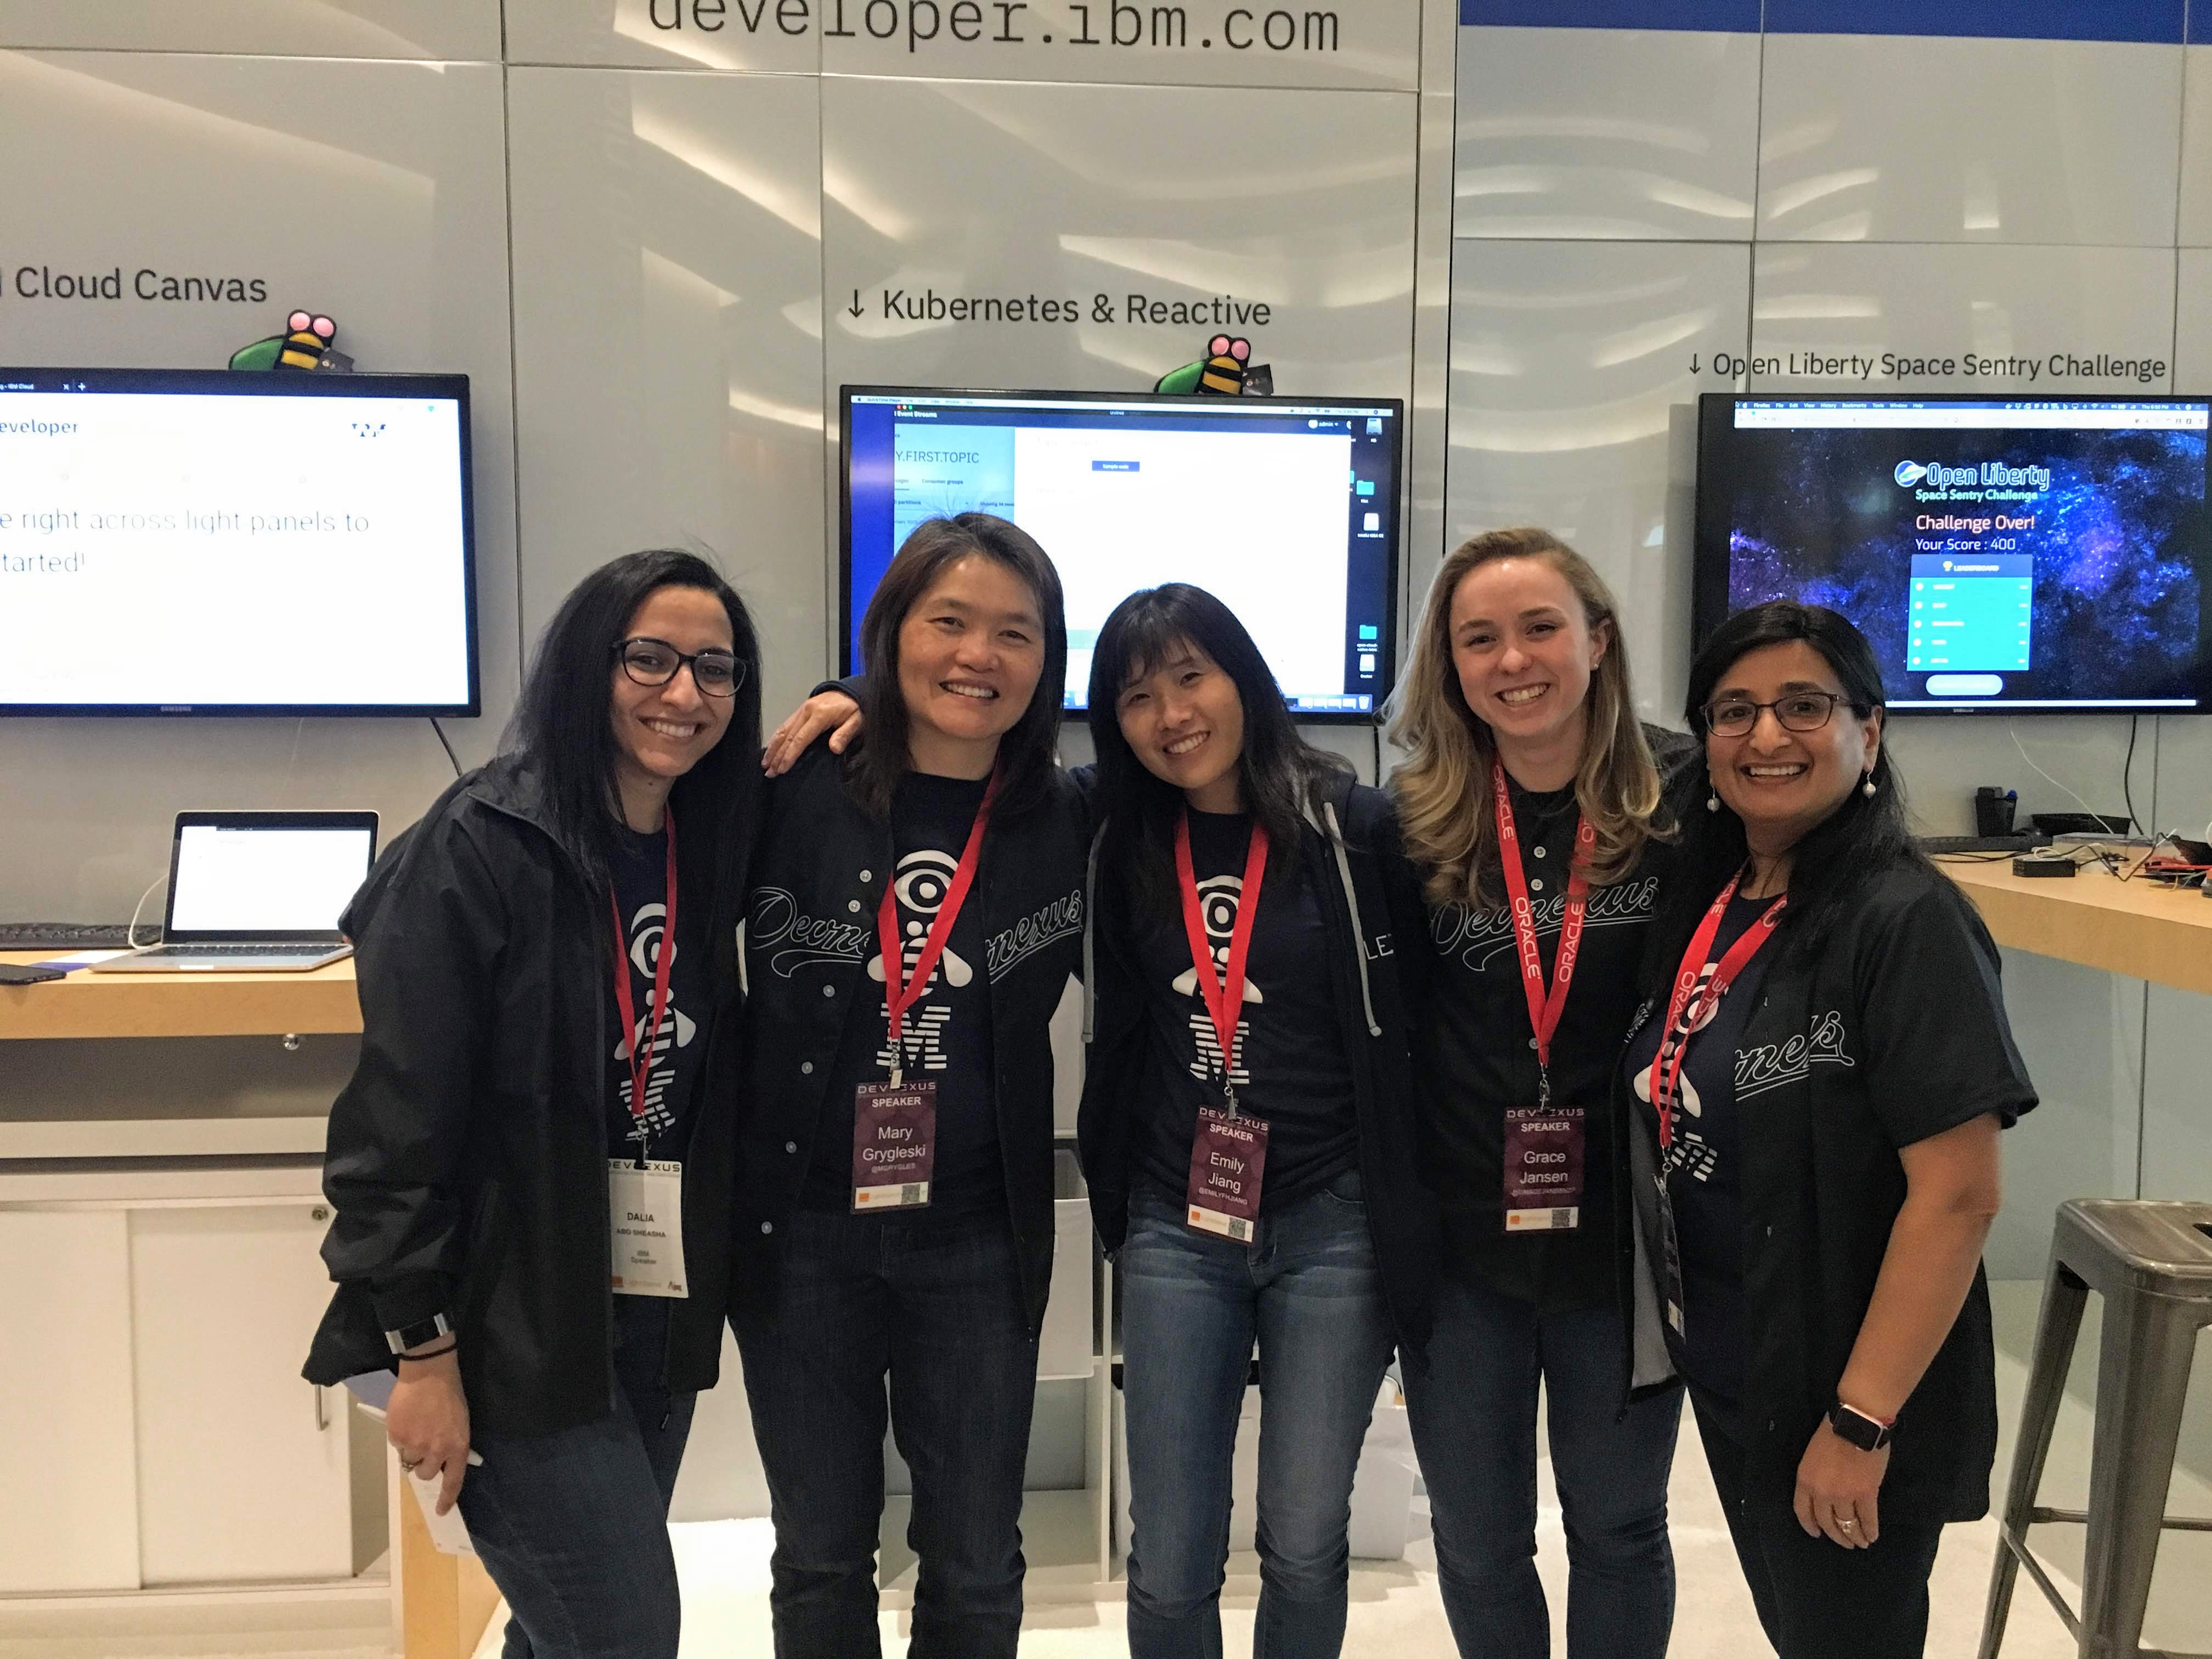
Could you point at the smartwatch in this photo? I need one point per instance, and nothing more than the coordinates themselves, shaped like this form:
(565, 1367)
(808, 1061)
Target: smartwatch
(1866, 1433)
(414, 1335)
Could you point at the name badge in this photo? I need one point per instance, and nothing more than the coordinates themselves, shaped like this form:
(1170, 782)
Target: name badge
(894, 1145)
(645, 1211)
(1228, 1158)
(1543, 1168)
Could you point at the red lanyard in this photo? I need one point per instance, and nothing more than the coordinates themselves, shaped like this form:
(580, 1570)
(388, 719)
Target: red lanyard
(641, 1050)
(1543, 1009)
(1224, 995)
(901, 993)
(1674, 1036)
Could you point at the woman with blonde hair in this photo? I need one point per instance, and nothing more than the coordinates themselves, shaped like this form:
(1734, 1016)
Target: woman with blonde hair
(1535, 812)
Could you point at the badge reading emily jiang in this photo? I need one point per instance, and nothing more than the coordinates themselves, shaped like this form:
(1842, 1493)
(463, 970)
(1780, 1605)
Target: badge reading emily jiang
(1228, 1158)
(894, 1145)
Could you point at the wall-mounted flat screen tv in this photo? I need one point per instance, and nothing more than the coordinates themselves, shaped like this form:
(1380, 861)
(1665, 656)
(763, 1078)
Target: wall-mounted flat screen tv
(2022, 555)
(1286, 508)
(206, 541)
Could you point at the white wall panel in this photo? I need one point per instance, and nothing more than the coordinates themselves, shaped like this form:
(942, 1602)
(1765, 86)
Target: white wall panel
(1573, 406)
(718, 35)
(372, 190)
(2195, 216)
(1301, 202)
(668, 324)
(1606, 133)
(2176, 1153)
(1917, 138)
(323, 28)
(1934, 305)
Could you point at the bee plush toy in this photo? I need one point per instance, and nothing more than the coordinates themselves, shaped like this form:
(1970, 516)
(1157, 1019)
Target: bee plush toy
(1227, 370)
(305, 344)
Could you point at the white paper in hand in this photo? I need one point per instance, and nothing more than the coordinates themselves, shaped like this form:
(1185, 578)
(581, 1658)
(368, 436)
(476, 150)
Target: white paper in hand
(449, 1532)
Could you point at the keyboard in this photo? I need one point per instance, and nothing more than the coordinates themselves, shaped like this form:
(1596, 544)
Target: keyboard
(1936, 846)
(65, 935)
(266, 953)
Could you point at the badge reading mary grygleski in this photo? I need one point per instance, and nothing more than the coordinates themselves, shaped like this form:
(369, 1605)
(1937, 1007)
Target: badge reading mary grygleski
(894, 1143)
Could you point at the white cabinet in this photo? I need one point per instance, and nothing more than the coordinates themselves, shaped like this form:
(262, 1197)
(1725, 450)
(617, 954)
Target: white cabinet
(242, 1464)
(69, 1485)
(151, 1367)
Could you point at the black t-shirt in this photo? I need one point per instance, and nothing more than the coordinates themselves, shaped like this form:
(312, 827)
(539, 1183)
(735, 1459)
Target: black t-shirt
(1291, 1068)
(945, 1034)
(639, 868)
(1704, 1168)
(1478, 1056)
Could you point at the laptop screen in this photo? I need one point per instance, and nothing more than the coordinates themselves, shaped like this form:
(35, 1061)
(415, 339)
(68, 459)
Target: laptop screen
(284, 877)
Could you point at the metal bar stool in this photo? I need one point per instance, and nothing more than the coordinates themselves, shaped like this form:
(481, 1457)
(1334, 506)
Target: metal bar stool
(2152, 1263)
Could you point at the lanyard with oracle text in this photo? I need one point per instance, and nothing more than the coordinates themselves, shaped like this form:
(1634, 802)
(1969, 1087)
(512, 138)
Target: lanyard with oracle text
(901, 992)
(1222, 994)
(1544, 1008)
(644, 1046)
(1681, 1016)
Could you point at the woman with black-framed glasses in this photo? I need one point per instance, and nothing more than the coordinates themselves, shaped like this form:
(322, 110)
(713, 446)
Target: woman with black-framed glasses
(532, 1190)
(1816, 1083)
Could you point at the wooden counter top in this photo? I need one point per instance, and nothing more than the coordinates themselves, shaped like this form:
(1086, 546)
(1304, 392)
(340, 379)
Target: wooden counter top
(2137, 928)
(89, 1004)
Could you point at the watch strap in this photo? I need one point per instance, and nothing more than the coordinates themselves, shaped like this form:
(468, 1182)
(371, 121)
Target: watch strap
(416, 1334)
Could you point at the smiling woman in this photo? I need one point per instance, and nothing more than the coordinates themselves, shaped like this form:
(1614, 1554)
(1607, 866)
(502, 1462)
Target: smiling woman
(546, 962)
(895, 1216)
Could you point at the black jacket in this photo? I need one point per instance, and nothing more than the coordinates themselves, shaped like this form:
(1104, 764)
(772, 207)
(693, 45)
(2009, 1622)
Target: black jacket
(1370, 901)
(1890, 1030)
(810, 930)
(468, 1154)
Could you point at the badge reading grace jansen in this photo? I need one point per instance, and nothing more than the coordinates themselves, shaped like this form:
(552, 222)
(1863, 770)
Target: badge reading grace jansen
(894, 1143)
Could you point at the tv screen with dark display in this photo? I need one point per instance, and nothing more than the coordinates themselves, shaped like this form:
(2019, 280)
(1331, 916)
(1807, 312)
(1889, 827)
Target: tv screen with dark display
(2028, 555)
(1285, 508)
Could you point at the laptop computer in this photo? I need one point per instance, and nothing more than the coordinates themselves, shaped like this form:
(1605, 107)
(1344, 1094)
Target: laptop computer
(257, 892)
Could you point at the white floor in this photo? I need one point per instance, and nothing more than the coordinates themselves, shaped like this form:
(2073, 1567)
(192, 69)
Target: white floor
(1394, 1610)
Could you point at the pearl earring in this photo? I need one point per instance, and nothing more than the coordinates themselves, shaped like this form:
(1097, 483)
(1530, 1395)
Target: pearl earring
(1867, 788)
(1713, 803)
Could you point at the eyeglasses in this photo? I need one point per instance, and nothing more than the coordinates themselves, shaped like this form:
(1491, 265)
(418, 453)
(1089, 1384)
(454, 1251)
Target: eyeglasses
(654, 662)
(1800, 711)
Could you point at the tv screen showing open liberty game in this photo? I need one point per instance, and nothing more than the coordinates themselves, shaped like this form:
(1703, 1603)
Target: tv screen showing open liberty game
(1284, 508)
(2022, 555)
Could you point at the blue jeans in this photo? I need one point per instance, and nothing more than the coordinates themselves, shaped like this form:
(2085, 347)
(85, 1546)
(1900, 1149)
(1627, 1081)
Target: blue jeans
(1473, 1418)
(933, 1303)
(1192, 1304)
(572, 1526)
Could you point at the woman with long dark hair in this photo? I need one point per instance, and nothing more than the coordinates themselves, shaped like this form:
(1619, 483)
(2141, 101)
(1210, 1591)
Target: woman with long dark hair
(544, 963)
(1246, 1121)
(1818, 1079)
(1533, 808)
(915, 913)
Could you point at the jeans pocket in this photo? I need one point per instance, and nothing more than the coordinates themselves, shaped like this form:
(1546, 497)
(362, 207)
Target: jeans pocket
(1345, 1190)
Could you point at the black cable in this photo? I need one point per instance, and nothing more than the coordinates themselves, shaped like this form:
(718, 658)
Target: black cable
(448, 747)
(1375, 730)
(2128, 779)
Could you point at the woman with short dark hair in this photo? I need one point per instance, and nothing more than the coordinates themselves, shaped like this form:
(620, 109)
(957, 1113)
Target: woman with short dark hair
(1823, 1069)
(1247, 1123)
(915, 913)
(544, 963)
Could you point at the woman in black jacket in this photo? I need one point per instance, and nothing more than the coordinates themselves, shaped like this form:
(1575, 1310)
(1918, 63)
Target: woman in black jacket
(531, 1190)
(1831, 1066)
(915, 913)
(1246, 1121)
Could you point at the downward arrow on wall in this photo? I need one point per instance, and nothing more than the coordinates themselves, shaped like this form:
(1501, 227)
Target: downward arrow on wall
(856, 308)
